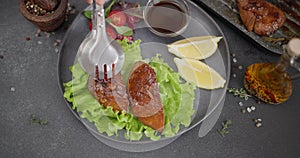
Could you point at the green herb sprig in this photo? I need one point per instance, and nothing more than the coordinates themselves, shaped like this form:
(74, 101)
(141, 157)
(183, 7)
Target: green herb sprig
(274, 40)
(242, 93)
(225, 126)
(40, 121)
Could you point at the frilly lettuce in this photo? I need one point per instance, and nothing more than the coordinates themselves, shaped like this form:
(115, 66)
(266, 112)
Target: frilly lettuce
(177, 99)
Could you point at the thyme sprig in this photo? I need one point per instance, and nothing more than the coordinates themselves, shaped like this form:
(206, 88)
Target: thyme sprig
(274, 40)
(40, 121)
(225, 125)
(242, 93)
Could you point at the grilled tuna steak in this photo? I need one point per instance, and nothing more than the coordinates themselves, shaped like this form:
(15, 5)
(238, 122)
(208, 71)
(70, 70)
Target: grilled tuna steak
(261, 16)
(110, 92)
(144, 96)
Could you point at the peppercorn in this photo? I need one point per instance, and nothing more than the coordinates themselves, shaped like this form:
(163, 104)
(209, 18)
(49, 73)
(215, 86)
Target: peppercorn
(36, 9)
(243, 111)
(48, 5)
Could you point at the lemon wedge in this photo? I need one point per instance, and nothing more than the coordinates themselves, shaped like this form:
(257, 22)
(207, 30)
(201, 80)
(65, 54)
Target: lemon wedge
(199, 73)
(195, 47)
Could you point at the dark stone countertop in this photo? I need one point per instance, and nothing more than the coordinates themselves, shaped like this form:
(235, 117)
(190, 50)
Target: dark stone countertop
(29, 85)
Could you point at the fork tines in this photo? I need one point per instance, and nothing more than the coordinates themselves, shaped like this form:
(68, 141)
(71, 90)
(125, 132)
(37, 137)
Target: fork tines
(105, 72)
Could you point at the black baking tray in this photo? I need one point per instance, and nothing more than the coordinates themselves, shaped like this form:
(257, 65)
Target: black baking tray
(227, 9)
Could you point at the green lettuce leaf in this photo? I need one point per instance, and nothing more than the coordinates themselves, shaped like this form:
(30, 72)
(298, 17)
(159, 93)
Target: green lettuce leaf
(177, 99)
(132, 53)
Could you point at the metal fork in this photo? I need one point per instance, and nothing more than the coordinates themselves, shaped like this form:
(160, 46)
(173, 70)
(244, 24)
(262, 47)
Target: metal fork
(97, 50)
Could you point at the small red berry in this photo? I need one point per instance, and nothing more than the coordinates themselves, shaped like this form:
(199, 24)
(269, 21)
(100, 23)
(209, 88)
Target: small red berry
(120, 37)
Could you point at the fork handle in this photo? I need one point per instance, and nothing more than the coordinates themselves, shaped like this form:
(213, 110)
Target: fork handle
(98, 19)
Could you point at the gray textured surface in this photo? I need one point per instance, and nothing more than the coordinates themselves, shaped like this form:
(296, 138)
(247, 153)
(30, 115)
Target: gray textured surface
(30, 68)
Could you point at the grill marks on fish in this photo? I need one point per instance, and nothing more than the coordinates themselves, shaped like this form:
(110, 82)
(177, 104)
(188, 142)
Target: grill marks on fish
(144, 96)
(109, 91)
(260, 16)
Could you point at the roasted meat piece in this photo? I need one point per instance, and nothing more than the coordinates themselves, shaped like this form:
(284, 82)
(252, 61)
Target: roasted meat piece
(144, 96)
(261, 16)
(110, 91)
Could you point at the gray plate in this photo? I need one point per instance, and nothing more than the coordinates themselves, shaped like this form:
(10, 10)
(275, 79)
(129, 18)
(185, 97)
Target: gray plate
(201, 24)
(227, 9)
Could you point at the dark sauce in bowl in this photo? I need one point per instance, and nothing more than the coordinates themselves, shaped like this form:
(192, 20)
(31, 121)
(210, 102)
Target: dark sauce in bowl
(167, 17)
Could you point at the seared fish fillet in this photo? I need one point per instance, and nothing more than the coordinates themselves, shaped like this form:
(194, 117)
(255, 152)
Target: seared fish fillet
(261, 16)
(110, 92)
(144, 96)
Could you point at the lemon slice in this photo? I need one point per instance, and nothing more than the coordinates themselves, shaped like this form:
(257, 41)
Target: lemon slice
(199, 73)
(195, 47)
